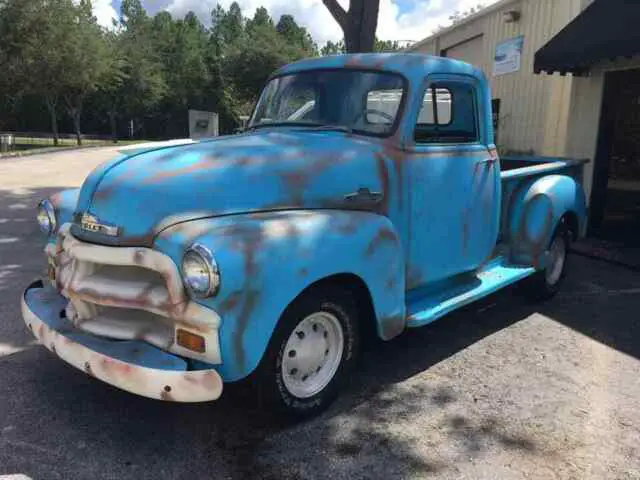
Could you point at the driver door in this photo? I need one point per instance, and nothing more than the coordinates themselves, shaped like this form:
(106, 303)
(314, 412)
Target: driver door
(454, 183)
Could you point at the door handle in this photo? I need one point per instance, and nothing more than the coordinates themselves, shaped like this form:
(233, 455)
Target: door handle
(364, 195)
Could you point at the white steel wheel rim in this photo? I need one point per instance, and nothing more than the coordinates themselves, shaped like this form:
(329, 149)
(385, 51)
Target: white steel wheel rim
(312, 354)
(557, 257)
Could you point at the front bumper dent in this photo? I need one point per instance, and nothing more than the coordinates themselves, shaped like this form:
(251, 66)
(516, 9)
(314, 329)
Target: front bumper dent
(134, 366)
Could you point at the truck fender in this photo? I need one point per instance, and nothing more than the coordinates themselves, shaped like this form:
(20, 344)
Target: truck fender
(267, 259)
(64, 204)
(535, 209)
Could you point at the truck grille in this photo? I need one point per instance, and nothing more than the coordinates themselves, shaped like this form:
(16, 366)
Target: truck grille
(128, 293)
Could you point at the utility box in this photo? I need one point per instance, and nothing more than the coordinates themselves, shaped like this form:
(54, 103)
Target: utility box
(6, 142)
(203, 124)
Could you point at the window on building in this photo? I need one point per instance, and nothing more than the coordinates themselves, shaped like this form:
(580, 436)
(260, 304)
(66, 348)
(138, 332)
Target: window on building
(448, 114)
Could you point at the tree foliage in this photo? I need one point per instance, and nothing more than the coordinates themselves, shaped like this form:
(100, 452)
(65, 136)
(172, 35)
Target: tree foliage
(142, 75)
(379, 46)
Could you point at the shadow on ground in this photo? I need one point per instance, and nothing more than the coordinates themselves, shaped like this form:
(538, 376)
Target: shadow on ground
(21, 257)
(58, 423)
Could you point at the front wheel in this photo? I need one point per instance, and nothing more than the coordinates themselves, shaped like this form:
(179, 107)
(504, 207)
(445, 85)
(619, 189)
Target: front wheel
(311, 353)
(547, 282)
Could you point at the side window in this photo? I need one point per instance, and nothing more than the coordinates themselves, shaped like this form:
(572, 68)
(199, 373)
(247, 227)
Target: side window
(448, 114)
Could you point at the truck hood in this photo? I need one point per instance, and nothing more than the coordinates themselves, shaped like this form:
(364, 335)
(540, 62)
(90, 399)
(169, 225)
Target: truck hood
(143, 193)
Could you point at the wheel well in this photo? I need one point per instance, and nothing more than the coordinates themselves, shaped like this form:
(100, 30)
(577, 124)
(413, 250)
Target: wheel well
(361, 295)
(571, 220)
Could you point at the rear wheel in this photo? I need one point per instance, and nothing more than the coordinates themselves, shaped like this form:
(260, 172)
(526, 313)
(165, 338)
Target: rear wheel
(311, 353)
(547, 282)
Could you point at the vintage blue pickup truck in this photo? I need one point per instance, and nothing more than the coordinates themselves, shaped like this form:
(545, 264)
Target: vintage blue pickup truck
(365, 194)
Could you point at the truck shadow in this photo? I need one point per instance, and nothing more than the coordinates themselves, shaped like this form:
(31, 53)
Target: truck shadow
(239, 440)
(83, 422)
(21, 257)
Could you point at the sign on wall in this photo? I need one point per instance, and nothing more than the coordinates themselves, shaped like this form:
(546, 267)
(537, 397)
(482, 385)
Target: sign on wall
(508, 56)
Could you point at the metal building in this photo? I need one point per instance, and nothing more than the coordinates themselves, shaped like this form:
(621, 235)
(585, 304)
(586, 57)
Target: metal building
(565, 79)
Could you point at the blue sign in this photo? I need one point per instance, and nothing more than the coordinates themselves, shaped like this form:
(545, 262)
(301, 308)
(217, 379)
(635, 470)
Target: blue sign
(508, 56)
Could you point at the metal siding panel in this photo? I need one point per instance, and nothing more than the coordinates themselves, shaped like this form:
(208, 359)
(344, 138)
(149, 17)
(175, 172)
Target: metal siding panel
(469, 51)
(535, 108)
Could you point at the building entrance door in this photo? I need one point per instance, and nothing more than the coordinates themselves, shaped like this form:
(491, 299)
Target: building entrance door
(615, 204)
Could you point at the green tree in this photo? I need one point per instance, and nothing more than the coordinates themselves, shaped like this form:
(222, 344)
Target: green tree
(32, 32)
(227, 26)
(386, 45)
(86, 62)
(335, 48)
(111, 94)
(144, 84)
(148, 70)
(182, 45)
(296, 35)
(260, 19)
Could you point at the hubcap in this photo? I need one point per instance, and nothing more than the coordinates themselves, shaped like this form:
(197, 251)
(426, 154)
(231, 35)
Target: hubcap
(557, 256)
(312, 354)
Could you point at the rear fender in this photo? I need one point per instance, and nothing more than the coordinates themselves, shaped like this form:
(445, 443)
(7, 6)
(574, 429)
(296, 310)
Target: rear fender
(535, 209)
(267, 259)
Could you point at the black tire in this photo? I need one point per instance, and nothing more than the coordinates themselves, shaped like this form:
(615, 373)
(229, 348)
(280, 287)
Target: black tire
(538, 286)
(273, 390)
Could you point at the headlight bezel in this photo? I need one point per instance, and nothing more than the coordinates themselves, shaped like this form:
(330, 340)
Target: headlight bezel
(46, 210)
(202, 254)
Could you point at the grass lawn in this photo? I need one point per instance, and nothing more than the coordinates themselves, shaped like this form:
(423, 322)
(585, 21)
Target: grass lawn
(35, 144)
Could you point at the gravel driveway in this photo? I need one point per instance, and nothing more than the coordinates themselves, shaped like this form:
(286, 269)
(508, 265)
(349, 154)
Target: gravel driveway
(500, 390)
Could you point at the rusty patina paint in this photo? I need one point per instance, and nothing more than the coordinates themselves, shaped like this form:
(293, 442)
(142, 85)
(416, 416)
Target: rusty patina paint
(281, 208)
(392, 326)
(383, 236)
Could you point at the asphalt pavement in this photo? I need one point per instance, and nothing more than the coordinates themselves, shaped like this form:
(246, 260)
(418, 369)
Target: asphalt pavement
(500, 390)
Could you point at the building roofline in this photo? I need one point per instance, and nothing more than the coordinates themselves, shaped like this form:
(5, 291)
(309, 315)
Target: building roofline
(481, 13)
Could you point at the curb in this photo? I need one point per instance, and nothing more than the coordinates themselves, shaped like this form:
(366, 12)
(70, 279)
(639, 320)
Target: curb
(38, 151)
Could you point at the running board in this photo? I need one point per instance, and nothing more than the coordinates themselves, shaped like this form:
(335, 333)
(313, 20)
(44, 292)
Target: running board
(424, 309)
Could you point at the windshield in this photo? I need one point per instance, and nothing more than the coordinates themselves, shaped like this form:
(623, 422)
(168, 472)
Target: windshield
(365, 102)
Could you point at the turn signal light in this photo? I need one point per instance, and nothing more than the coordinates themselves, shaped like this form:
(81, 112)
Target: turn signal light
(190, 341)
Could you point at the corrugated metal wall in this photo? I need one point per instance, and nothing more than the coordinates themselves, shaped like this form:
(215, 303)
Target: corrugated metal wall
(534, 111)
(467, 51)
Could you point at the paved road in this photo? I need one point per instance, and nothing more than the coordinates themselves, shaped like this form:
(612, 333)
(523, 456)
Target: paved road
(500, 390)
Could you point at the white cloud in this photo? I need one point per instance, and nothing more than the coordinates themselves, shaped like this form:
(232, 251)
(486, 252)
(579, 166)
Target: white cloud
(104, 12)
(415, 23)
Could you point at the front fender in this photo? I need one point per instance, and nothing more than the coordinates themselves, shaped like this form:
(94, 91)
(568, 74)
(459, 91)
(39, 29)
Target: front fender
(267, 259)
(536, 208)
(64, 204)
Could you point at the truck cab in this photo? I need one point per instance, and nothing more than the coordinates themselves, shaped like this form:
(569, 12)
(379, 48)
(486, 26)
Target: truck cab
(365, 194)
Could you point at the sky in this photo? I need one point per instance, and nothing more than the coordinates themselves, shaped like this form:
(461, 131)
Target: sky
(403, 20)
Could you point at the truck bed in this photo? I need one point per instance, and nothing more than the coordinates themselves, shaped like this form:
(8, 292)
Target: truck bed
(512, 167)
(518, 169)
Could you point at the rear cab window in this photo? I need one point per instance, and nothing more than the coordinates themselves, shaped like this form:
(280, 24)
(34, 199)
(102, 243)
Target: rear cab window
(449, 114)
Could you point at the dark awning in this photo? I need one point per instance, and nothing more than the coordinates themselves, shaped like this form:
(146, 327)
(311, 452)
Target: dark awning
(605, 30)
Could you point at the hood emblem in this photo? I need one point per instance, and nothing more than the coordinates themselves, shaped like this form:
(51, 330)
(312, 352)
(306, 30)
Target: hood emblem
(92, 224)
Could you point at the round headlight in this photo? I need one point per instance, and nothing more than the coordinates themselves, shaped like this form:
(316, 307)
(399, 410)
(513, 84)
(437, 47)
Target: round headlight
(200, 271)
(46, 217)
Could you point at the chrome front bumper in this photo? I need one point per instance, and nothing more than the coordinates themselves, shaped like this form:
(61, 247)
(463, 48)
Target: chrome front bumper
(132, 365)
